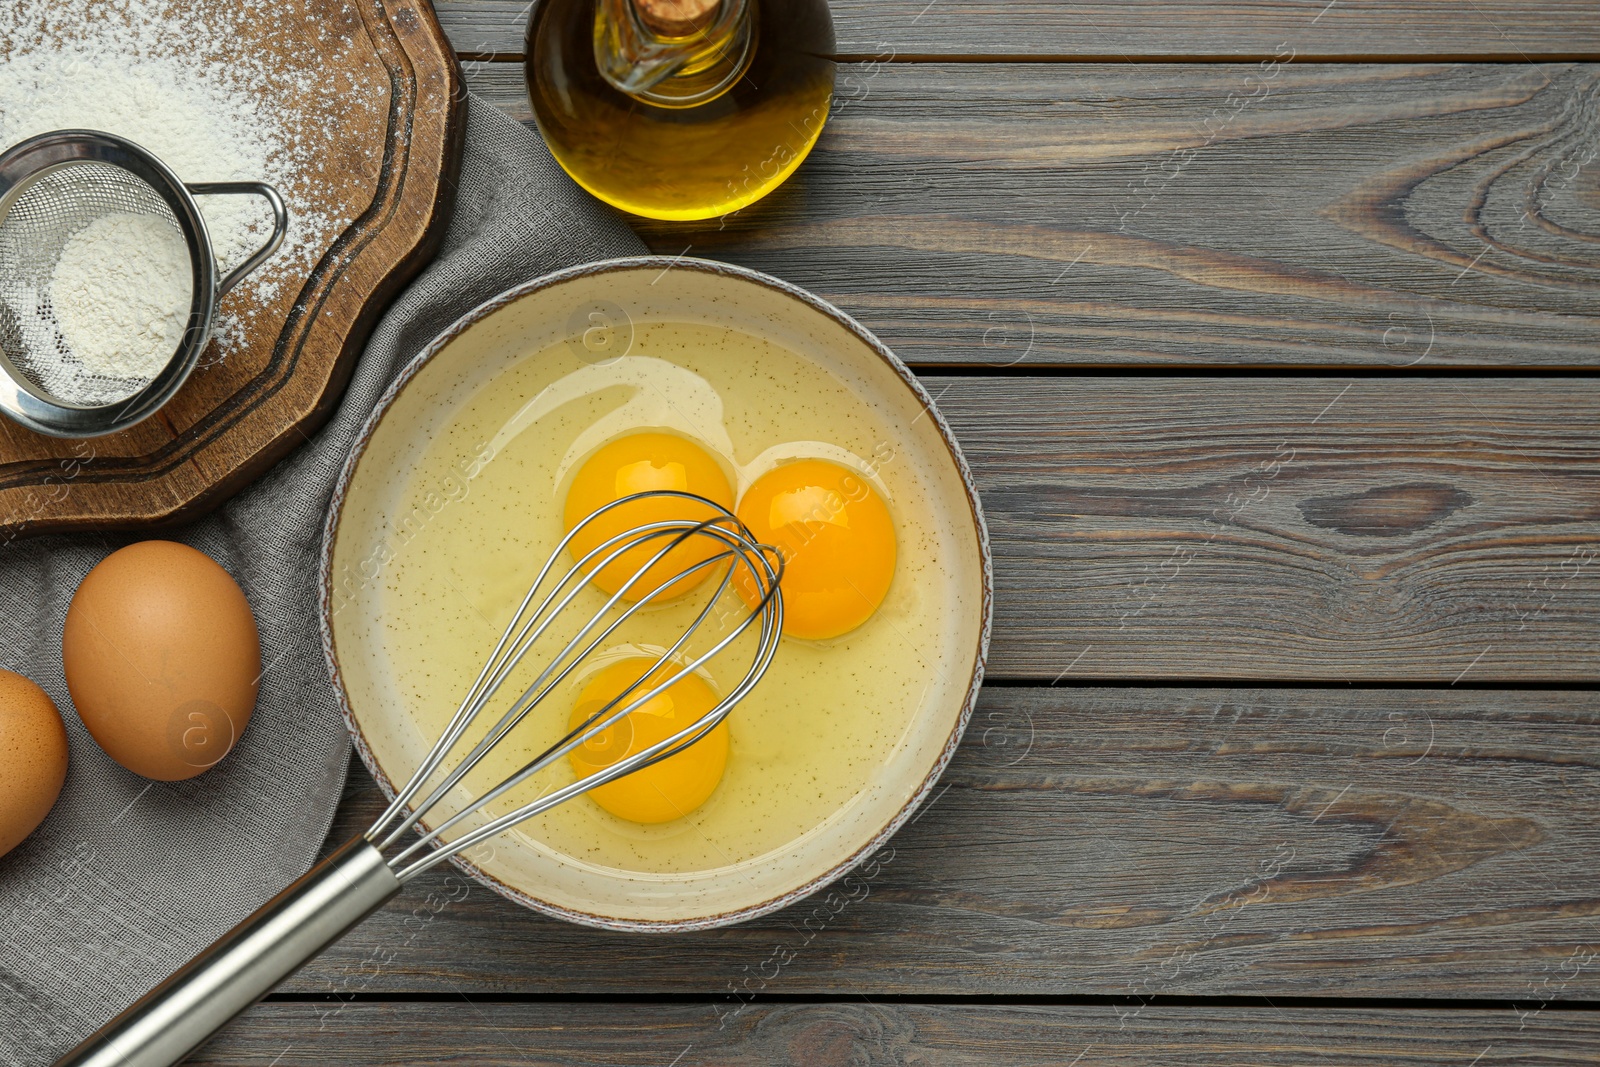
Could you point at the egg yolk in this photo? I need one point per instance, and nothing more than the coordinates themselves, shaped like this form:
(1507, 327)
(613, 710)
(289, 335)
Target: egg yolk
(636, 464)
(662, 791)
(837, 541)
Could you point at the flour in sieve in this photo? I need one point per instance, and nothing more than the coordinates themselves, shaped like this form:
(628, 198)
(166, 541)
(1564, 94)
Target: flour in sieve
(120, 293)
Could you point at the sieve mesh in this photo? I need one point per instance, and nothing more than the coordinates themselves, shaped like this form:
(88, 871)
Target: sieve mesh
(44, 217)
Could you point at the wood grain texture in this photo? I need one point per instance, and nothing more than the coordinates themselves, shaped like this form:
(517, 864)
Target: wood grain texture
(861, 1034)
(1333, 530)
(387, 161)
(1325, 215)
(1140, 29)
(1129, 842)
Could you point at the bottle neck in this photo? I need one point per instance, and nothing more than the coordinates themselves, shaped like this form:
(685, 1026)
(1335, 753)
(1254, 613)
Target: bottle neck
(674, 53)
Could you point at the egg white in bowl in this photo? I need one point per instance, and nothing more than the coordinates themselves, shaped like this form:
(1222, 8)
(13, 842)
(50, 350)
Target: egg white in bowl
(453, 498)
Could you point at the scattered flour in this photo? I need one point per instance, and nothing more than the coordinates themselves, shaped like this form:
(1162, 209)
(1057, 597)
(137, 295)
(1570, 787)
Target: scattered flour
(194, 82)
(121, 293)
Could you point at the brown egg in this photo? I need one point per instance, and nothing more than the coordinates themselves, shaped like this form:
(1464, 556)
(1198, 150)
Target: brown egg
(33, 758)
(162, 659)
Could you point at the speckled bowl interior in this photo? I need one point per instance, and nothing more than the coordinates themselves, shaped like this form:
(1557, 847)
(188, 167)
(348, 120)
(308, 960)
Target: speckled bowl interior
(528, 319)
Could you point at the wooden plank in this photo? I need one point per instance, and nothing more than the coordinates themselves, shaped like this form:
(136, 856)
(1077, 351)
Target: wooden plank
(1334, 530)
(1109, 29)
(1325, 215)
(1131, 843)
(822, 1035)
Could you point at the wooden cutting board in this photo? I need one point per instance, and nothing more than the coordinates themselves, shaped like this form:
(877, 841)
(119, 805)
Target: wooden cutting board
(389, 162)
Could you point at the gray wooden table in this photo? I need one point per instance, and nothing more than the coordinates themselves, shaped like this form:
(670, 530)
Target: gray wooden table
(1270, 330)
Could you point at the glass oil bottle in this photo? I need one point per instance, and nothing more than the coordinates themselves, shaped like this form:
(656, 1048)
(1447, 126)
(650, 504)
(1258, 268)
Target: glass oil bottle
(680, 109)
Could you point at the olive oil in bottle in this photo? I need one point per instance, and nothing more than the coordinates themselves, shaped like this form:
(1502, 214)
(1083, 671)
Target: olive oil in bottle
(680, 109)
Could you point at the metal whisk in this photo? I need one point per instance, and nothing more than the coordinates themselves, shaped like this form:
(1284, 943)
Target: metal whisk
(248, 961)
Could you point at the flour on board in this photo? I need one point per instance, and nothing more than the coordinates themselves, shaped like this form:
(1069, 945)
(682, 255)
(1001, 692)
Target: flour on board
(177, 79)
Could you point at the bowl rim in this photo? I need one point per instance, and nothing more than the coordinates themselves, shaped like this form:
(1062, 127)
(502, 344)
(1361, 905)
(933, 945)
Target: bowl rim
(663, 263)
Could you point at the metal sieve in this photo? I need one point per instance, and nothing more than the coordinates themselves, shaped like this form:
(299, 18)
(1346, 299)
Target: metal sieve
(53, 186)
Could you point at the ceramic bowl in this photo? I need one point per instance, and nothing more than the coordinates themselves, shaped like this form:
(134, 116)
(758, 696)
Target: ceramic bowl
(528, 319)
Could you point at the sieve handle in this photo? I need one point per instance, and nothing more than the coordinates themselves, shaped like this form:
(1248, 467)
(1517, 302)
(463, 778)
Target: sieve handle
(280, 224)
(244, 964)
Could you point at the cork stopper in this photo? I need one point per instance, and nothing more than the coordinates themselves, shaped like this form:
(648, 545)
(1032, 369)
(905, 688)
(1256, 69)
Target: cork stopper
(677, 18)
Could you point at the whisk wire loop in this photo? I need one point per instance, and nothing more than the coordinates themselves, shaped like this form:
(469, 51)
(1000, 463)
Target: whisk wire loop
(543, 684)
(494, 664)
(610, 713)
(735, 547)
(501, 661)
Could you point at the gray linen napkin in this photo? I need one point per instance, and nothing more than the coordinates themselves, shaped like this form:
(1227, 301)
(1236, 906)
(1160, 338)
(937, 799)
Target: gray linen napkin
(127, 879)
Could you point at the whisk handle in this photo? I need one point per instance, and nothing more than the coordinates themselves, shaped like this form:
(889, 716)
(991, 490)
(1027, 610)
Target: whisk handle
(244, 964)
